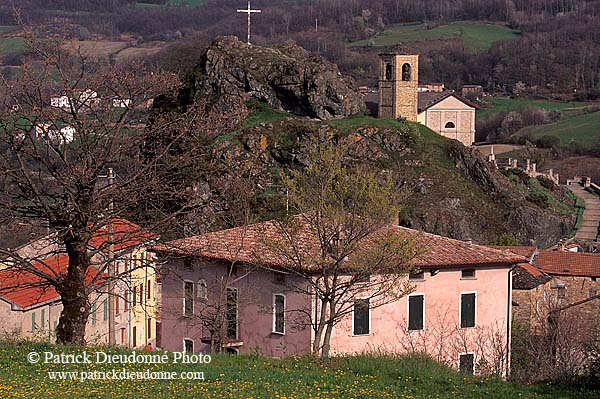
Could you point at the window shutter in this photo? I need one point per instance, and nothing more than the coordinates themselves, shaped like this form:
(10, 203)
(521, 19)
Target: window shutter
(467, 310)
(415, 312)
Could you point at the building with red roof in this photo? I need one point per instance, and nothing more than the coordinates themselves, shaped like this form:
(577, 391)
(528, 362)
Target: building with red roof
(30, 306)
(461, 292)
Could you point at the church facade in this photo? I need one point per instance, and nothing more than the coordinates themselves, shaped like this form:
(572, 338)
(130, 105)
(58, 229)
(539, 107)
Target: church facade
(444, 112)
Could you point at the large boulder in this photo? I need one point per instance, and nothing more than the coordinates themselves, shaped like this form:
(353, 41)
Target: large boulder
(285, 77)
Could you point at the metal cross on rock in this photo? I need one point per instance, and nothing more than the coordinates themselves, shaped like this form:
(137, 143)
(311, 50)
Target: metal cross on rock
(249, 11)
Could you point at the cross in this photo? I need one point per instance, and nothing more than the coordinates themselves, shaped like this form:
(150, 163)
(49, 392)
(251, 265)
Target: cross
(249, 11)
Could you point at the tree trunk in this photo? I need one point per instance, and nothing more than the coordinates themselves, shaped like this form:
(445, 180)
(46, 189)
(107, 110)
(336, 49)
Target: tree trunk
(328, 331)
(74, 295)
(319, 328)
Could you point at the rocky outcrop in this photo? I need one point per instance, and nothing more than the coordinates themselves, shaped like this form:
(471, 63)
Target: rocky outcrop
(285, 77)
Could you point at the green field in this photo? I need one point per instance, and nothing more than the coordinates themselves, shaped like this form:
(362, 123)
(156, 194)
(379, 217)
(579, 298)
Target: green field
(228, 376)
(7, 28)
(582, 128)
(494, 105)
(11, 44)
(476, 36)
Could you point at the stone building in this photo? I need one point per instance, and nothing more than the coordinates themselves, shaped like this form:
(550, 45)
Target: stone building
(444, 112)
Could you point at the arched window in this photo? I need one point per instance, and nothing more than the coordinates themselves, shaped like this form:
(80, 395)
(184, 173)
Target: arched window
(202, 290)
(388, 71)
(406, 73)
(450, 125)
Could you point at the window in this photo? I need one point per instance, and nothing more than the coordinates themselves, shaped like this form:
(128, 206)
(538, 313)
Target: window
(134, 333)
(466, 363)
(149, 328)
(105, 310)
(123, 336)
(416, 312)
(202, 291)
(417, 276)
(188, 298)
(361, 317)
(148, 289)
(406, 72)
(592, 292)
(449, 125)
(188, 345)
(388, 71)
(467, 310)
(279, 313)
(279, 278)
(42, 319)
(125, 301)
(32, 321)
(231, 315)
(467, 274)
(141, 293)
(94, 314)
(134, 295)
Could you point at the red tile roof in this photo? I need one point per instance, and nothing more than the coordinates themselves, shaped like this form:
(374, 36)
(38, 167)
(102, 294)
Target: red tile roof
(564, 263)
(26, 289)
(263, 243)
(126, 235)
(568, 263)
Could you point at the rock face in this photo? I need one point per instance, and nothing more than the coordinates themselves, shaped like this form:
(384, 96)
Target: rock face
(285, 77)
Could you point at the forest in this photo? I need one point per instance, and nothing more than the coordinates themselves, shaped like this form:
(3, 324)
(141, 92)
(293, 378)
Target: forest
(556, 54)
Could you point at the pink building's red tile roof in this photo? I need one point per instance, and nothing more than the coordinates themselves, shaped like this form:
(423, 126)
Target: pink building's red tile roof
(27, 289)
(264, 243)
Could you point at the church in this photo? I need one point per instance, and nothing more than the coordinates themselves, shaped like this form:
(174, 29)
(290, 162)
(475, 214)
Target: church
(445, 112)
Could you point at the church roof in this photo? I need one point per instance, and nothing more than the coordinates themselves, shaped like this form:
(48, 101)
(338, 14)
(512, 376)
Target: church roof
(429, 99)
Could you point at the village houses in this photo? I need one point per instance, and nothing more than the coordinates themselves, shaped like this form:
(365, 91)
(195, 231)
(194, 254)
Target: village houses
(459, 311)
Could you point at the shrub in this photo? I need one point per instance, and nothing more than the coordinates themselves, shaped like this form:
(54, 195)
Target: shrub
(548, 141)
(546, 183)
(505, 240)
(538, 199)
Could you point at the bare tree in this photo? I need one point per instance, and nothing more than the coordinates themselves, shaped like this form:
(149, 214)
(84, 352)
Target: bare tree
(68, 121)
(344, 211)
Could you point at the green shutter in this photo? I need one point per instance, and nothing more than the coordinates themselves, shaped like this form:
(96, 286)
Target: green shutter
(32, 321)
(94, 314)
(106, 310)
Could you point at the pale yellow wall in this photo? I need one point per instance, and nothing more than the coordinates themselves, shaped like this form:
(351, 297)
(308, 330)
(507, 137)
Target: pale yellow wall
(451, 110)
(143, 274)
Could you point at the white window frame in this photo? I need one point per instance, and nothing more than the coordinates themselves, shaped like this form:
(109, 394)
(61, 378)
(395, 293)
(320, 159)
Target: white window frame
(469, 278)
(183, 298)
(202, 283)
(466, 353)
(191, 340)
(237, 312)
(370, 326)
(460, 309)
(408, 311)
(274, 331)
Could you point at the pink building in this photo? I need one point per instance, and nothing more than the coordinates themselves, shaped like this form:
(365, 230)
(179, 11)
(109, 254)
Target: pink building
(459, 311)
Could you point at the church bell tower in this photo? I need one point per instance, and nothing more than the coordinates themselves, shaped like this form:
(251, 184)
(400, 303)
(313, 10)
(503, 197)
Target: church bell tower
(398, 81)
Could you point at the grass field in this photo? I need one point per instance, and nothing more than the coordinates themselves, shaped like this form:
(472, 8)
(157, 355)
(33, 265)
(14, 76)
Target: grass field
(362, 377)
(11, 44)
(476, 36)
(582, 128)
(494, 105)
(7, 28)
